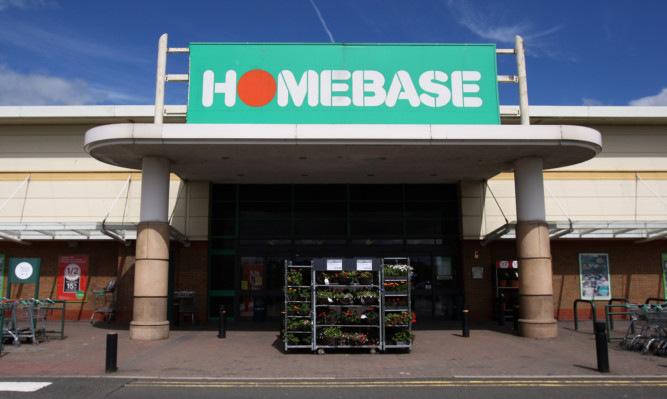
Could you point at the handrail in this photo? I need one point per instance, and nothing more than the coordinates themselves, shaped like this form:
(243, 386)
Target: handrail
(663, 300)
(611, 302)
(576, 315)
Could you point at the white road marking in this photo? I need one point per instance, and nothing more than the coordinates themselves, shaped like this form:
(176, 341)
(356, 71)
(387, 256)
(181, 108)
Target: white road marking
(22, 386)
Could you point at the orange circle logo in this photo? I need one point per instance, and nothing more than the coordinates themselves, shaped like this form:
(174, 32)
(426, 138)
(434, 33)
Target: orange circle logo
(256, 88)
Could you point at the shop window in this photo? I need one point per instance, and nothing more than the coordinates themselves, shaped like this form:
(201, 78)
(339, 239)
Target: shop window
(376, 192)
(223, 210)
(265, 210)
(214, 303)
(222, 272)
(320, 210)
(365, 227)
(271, 228)
(319, 228)
(264, 192)
(223, 227)
(320, 192)
(379, 210)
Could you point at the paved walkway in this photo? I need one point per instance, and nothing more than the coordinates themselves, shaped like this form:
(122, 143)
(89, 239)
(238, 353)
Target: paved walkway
(253, 351)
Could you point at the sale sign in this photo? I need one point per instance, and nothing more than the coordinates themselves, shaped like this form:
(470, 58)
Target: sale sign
(72, 277)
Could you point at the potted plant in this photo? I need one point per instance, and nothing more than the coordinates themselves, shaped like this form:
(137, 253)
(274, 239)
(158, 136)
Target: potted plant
(397, 319)
(294, 277)
(325, 297)
(367, 297)
(325, 278)
(328, 316)
(403, 337)
(396, 272)
(365, 277)
(294, 324)
(370, 316)
(331, 335)
(346, 277)
(349, 316)
(291, 339)
(345, 298)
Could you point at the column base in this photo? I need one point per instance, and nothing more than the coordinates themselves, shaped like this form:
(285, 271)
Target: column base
(538, 329)
(149, 331)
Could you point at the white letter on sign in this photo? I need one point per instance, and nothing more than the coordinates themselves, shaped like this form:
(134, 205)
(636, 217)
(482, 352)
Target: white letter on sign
(428, 81)
(287, 86)
(209, 88)
(402, 88)
(368, 82)
(458, 88)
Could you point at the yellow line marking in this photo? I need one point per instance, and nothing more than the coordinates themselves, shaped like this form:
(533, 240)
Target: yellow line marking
(397, 384)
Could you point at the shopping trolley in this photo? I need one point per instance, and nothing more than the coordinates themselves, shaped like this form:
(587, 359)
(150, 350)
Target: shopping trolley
(105, 301)
(30, 318)
(8, 309)
(657, 331)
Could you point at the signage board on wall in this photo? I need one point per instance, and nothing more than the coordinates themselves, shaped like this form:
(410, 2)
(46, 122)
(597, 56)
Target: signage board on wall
(72, 278)
(343, 84)
(594, 276)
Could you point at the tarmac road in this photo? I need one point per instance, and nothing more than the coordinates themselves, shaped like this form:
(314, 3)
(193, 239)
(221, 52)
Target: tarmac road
(479, 388)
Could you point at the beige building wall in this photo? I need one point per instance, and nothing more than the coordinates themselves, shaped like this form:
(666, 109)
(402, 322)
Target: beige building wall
(626, 182)
(66, 185)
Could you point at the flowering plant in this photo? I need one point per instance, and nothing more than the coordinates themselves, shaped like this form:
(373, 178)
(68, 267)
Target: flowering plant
(370, 316)
(403, 335)
(349, 316)
(332, 332)
(397, 319)
(395, 302)
(302, 308)
(294, 277)
(396, 286)
(397, 270)
(298, 324)
(329, 316)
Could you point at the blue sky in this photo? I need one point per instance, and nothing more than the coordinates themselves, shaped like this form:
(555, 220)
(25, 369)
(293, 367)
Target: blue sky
(87, 52)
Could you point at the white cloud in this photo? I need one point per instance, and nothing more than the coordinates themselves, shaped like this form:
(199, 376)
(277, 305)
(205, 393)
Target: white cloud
(33, 89)
(484, 23)
(591, 102)
(25, 4)
(659, 99)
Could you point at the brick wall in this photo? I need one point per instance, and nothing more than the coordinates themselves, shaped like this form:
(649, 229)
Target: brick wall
(635, 273)
(108, 261)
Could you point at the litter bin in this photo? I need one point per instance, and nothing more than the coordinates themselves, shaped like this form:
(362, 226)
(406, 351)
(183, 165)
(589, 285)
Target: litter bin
(259, 310)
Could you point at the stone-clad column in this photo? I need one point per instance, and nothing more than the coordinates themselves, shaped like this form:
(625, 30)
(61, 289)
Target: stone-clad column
(151, 269)
(534, 252)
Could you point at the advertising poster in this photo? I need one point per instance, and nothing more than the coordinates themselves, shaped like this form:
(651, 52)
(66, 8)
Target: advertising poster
(72, 278)
(594, 276)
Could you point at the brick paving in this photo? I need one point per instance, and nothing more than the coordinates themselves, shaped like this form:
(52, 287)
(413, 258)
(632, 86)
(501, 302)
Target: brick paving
(253, 351)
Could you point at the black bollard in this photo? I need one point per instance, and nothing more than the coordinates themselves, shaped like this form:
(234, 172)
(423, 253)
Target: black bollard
(601, 349)
(177, 313)
(516, 318)
(112, 352)
(466, 322)
(222, 322)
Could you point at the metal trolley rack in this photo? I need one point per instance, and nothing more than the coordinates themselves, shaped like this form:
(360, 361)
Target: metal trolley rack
(297, 321)
(397, 304)
(348, 303)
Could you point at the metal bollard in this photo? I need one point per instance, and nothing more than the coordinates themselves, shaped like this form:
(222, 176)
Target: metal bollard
(601, 349)
(222, 322)
(466, 322)
(501, 313)
(516, 318)
(112, 352)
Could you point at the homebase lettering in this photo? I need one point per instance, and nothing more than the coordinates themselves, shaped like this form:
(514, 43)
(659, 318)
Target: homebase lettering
(342, 88)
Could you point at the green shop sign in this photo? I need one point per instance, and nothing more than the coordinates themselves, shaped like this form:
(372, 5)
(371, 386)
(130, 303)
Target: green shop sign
(343, 84)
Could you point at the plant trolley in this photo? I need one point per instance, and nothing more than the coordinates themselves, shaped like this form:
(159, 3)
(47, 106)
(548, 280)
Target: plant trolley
(346, 303)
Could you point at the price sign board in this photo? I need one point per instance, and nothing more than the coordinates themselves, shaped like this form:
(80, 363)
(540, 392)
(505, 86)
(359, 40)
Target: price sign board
(72, 277)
